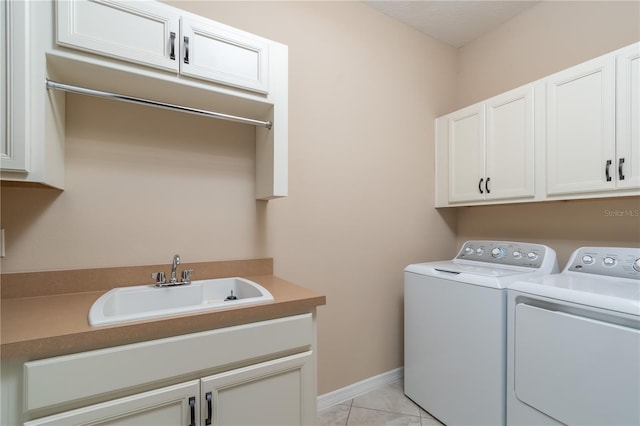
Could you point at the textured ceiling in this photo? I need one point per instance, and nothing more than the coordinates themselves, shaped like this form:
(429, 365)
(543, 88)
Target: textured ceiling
(454, 22)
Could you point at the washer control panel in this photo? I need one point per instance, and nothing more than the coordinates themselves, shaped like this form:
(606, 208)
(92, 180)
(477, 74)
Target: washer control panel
(610, 261)
(504, 253)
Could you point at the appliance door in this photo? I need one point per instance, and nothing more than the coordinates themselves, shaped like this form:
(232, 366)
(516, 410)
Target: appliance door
(575, 369)
(455, 350)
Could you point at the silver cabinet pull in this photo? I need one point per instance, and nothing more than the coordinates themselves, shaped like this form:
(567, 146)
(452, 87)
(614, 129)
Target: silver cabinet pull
(192, 406)
(606, 170)
(209, 418)
(620, 164)
(186, 50)
(172, 54)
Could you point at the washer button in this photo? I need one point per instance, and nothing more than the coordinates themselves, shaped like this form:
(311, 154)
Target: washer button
(587, 260)
(517, 255)
(480, 251)
(468, 250)
(636, 265)
(609, 261)
(532, 256)
(497, 253)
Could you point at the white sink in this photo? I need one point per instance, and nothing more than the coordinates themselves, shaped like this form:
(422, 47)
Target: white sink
(125, 304)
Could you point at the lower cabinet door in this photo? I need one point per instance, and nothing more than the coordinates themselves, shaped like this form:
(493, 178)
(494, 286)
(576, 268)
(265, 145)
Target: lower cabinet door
(277, 392)
(171, 406)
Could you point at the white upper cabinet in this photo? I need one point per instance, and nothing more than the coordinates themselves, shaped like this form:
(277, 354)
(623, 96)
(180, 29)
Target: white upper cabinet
(466, 154)
(220, 53)
(141, 32)
(13, 84)
(574, 134)
(510, 145)
(628, 117)
(581, 128)
(32, 129)
(157, 35)
(491, 148)
(593, 141)
(140, 49)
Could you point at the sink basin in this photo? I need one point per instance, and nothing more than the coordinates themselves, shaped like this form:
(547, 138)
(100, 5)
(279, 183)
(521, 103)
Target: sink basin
(125, 304)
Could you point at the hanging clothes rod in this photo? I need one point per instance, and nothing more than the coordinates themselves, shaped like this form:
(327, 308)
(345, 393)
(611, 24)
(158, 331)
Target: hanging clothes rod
(148, 102)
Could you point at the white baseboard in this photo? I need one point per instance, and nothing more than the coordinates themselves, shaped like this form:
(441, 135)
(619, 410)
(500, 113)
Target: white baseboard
(359, 388)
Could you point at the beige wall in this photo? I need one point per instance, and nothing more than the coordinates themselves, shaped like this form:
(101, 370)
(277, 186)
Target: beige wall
(547, 38)
(143, 184)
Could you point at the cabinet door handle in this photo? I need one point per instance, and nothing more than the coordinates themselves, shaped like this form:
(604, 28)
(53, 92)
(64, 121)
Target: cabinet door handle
(186, 50)
(209, 408)
(480, 186)
(606, 170)
(172, 54)
(192, 405)
(486, 185)
(620, 163)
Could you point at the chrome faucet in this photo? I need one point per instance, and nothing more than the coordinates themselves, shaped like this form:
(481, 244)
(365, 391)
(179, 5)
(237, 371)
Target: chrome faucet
(174, 267)
(173, 281)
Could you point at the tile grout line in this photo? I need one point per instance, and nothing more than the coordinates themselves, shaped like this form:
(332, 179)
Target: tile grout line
(388, 412)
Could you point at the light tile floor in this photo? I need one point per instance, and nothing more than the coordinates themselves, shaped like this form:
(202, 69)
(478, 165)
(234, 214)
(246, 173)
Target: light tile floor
(384, 406)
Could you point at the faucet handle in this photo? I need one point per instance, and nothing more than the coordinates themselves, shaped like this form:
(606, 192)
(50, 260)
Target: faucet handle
(186, 276)
(159, 277)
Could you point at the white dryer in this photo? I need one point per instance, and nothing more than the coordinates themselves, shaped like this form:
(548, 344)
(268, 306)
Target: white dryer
(574, 342)
(455, 329)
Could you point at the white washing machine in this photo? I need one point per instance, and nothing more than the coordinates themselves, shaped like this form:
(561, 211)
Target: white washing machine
(574, 342)
(455, 329)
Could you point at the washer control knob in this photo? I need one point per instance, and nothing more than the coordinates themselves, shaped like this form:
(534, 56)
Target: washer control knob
(517, 254)
(587, 260)
(497, 253)
(480, 251)
(609, 261)
(636, 265)
(468, 250)
(532, 256)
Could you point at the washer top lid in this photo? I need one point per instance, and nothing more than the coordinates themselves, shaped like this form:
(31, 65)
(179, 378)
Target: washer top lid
(475, 273)
(460, 267)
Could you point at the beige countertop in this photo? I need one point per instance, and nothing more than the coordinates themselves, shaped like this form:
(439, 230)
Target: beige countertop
(39, 326)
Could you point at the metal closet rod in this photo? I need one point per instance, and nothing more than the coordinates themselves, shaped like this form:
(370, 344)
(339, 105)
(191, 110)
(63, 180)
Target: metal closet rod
(148, 102)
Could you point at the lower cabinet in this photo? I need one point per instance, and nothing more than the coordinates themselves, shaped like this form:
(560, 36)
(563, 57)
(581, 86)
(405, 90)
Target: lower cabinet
(261, 373)
(268, 393)
(272, 393)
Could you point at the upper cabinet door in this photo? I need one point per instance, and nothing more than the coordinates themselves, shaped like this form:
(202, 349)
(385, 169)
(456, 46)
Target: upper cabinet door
(223, 54)
(628, 117)
(14, 96)
(580, 128)
(141, 32)
(466, 154)
(510, 145)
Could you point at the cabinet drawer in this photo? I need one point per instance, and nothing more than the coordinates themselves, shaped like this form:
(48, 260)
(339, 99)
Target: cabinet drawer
(140, 32)
(94, 373)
